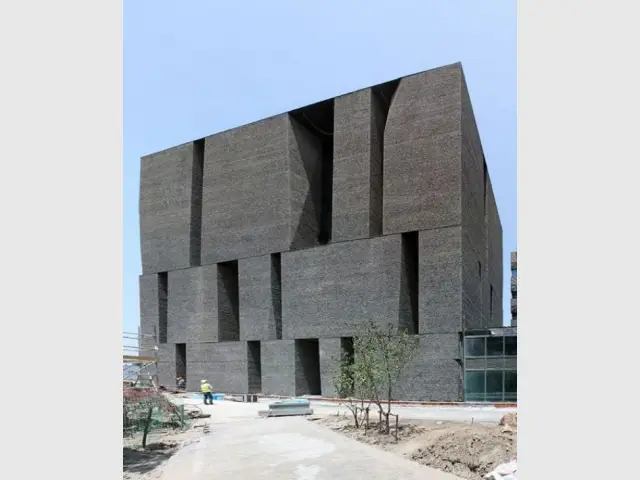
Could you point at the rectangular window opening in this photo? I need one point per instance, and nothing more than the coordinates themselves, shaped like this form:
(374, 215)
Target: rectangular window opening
(409, 286)
(181, 360)
(163, 306)
(228, 302)
(276, 292)
(307, 353)
(254, 366)
(196, 203)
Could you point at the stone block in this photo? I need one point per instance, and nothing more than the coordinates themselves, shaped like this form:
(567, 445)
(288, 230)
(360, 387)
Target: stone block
(261, 190)
(332, 290)
(435, 375)
(260, 298)
(440, 299)
(278, 367)
(223, 364)
(357, 166)
(187, 320)
(203, 304)
(170, 202)
(153, 312)
(330, 354)
(422, 152)
(167, 365)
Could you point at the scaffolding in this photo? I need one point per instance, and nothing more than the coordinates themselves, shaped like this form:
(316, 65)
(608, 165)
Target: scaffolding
(138, 369)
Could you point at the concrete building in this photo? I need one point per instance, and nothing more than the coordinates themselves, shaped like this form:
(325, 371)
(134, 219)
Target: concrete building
(514, 289)
(264, 247)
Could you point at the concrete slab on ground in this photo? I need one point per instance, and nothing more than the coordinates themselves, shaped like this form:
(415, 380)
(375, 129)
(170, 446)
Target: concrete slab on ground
(242, 445)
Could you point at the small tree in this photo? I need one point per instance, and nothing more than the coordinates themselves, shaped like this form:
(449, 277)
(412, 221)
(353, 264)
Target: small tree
(351, 385)
(381, 355)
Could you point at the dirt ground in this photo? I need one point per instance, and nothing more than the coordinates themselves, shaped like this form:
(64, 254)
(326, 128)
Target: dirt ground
(148, 463)
(467, 450)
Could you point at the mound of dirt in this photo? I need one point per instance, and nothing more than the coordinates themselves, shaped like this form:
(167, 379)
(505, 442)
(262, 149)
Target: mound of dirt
(510, 420)
(467, 450)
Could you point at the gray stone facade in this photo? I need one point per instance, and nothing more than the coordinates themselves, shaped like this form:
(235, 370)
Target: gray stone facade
(340, 286)
(265, 247)
(436, 374)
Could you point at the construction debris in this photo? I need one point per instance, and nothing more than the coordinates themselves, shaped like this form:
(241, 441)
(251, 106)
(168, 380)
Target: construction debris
(505, 471)
(290, 407)
(195, 414)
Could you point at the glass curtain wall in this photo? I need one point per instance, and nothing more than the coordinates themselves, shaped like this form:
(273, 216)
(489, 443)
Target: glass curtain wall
(487, 377)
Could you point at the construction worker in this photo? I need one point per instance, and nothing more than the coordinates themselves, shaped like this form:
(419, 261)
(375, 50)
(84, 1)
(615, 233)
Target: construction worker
(180, 383)
(206, 389)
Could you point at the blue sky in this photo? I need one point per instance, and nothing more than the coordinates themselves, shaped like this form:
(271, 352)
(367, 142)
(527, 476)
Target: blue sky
(195, 68)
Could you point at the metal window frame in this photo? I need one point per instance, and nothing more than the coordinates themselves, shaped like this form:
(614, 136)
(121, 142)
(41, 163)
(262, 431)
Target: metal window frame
(464, 350)
(504, 383)
(484, 393)
(504, 350)
(503, 370)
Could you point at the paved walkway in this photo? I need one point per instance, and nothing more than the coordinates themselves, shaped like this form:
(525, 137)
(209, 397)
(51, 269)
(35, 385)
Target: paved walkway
(241, 446)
